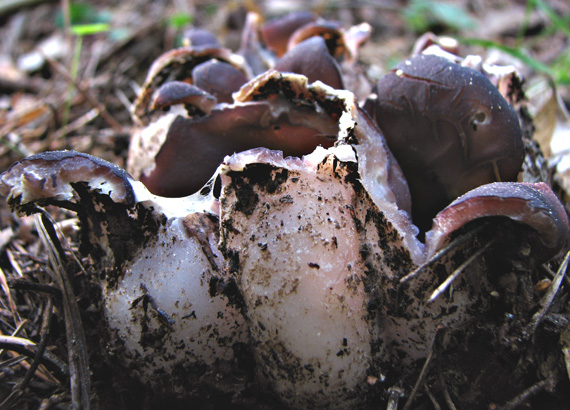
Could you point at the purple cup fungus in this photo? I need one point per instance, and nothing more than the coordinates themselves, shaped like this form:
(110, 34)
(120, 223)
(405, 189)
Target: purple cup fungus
(312, 59)
(176, 143)
(195, 38)
(196, 101)
(533, 205)
(449, 128)
(275, 111)
(279, 117)
(302, 257)
(306, 245)
(219, 79)
(178, 65)
(179, 137)
(146, 244)
(340, 65)
(258, 58)
(276, 33)
(445, 44)
(283, 34)
(342, 45)
(170, 86)
(289, 44)
(331, 32)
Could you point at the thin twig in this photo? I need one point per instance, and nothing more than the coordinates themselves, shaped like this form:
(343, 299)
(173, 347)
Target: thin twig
(29, 348)
(552, 274)
(29, 84)
(66, 11)
(41, 346)
(444, 251)
(21, 284)
(525, 395)
(14, 262)
(18, 389)
(19, 328)
(548, 297)
(425, 368)
(434, 402)
(12, 361)
(54, 400)
(446, 394)
(11, 304)
(9, 6)
(127, 104)
(77, 345)
(77, 124)
(441, 288)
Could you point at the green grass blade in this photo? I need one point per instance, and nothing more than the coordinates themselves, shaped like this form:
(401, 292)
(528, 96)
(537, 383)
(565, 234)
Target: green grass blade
(88, 29)
(515, 52)
(561, 23)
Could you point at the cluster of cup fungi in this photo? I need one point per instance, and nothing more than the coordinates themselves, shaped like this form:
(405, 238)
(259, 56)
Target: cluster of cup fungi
(288, 229)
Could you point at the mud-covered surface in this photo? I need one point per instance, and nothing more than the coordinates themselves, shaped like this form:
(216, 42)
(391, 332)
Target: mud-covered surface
(514, 355)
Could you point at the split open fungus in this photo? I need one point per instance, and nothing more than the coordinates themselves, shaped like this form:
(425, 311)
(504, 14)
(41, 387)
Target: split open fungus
(271, 243)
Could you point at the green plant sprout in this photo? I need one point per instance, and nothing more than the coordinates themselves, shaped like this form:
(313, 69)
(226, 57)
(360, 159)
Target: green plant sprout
(180, 20)
(85, 21)
(559, 69)
(423, 15)
(177, 22)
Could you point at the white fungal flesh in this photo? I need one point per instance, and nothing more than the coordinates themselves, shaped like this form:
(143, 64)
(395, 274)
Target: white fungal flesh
(163, 310)
(301, 238)
(300, 273)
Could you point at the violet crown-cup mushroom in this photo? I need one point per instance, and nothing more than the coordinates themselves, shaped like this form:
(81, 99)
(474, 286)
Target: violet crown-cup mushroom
(449, 128)
(270, 241)
(312, 59)
(158, 154)
(178, 92)
(218, 78)
(276, 33)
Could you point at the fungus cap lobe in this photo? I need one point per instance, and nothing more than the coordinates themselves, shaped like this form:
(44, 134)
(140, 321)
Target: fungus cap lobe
(194, 148)
(178, 92)
(177, 65)
(312, 59)
(199, 38)
(449, 128)
(49, 175)
(276, 33)
(534, 205)
(275, 111)
(219, 79)
(330, 31)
